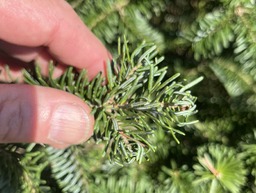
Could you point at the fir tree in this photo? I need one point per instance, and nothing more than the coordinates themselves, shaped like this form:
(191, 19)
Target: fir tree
(217, 154)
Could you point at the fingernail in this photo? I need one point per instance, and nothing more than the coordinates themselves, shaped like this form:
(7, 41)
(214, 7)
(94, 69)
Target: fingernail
(70, 124)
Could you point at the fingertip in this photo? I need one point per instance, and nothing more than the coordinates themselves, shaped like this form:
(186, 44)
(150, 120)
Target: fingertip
(69, 124)
(43, 115)
(68, 121)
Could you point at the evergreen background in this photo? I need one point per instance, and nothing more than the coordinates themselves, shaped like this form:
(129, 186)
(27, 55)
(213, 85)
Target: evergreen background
(215, 39)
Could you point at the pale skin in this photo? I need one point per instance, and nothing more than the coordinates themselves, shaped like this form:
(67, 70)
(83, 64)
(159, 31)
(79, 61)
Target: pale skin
(40, 31)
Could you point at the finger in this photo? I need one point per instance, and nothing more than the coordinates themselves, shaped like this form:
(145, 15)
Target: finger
(11, 73)
(43, 115)
(14, 57)
(58, 28)
(23, 53)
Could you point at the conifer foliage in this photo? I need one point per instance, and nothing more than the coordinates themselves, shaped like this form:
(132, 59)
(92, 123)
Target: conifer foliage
(146, 136)
(133, 103)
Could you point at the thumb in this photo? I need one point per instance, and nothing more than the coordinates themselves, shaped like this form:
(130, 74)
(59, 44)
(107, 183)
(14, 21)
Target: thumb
(43, 115)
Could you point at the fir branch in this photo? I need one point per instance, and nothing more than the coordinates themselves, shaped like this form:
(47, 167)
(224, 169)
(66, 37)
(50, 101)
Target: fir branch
(212, 33)
(125, 185)
(10, 169)
(136, 101)
(21, 168)
(220, 169)
(235, 81)
(67, 169)
(245, 44)
(178, 180)
(33, 164)
(248, 154)
(112, 7)
(109, 19)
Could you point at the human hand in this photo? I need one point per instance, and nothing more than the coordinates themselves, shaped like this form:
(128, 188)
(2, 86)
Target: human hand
(40, 31)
